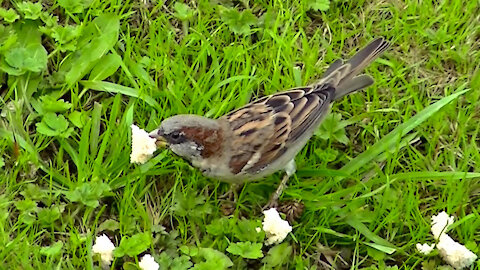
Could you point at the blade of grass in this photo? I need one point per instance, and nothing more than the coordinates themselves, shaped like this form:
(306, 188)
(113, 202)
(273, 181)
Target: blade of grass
(95, 129)
(120, 89)
(391, 138)
(380, 243)
(420, 175)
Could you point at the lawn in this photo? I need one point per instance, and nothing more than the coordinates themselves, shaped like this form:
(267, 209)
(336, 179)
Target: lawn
(75, 74)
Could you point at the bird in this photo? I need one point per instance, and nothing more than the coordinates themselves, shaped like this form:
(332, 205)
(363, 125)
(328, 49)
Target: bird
(264, 136)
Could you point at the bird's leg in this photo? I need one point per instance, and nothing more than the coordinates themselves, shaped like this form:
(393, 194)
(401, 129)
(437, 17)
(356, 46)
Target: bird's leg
(229, 200)
(231, 194)
(289, 171)
(273, 202)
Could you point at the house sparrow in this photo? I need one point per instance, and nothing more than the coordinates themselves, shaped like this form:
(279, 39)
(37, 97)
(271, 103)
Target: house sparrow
(265, 135)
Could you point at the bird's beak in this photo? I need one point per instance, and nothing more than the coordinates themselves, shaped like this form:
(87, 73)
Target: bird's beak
(161, 141)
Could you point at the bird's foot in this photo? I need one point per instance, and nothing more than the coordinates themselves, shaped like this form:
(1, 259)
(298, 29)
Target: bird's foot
(273, 202)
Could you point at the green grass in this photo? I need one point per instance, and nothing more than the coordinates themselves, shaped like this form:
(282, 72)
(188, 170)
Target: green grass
(412, 147)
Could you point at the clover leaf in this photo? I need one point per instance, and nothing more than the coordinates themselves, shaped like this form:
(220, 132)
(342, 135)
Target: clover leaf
(78, 119)
(28, 210)
(333, 128)
(23, 49)
(183, 11)
(246, 230)
(32, 57)
(9, 15)
(30, 10)
(318, 5)
(213, 259)
(246, 250)
(50, 104)
(238, 22)
(52, 250)
(88, 193)
(47, 216)
(134, 245)
(192, 205)
(74, 6)
(66, 36)
(54, 125)
(219, 226)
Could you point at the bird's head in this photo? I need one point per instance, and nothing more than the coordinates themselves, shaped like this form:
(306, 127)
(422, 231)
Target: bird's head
(190, 136)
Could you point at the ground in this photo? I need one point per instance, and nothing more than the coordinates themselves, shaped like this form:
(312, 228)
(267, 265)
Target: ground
(76, 74)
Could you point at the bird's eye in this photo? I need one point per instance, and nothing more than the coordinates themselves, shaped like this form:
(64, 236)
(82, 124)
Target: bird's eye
(175, 135)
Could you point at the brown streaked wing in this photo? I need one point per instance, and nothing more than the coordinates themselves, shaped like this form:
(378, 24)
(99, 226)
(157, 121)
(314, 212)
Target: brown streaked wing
(264, 128)
(251, 127)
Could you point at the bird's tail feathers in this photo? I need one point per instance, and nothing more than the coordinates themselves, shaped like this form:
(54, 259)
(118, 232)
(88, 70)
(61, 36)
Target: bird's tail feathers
(343, 76)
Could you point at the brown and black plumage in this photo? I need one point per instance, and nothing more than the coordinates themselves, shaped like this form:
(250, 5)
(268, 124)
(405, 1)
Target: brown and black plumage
(265, 135)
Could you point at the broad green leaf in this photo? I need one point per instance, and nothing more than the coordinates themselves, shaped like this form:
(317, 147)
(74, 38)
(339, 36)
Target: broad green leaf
(189, 250)
(268, 19)
(129, 266)
(106, 67)
(326, 155)
(392, 138)
(52, 250)
(247, 250)
(8, 37)
(134, 245)
(50, 21)
(28, 218)
(278, 255)
(97, 38)
(78, 119)
(2, 162)
(44, 129)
